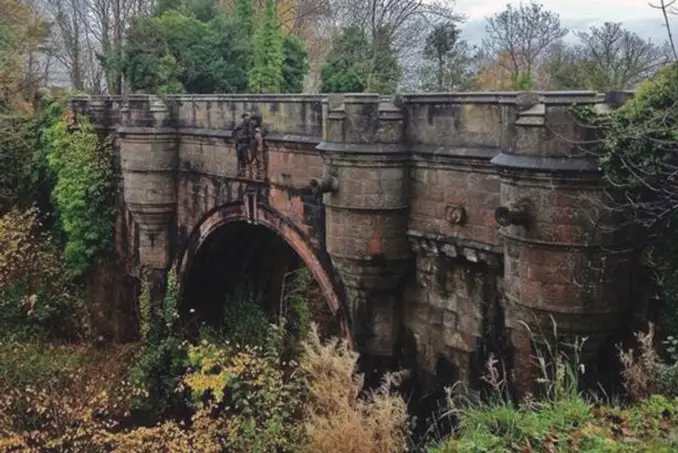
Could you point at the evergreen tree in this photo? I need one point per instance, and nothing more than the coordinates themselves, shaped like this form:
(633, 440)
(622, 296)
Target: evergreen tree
(295, 66)
(384, 72)
(449, 61)
(267, 70)
(244, 14)
(346, 69)
(356, 65)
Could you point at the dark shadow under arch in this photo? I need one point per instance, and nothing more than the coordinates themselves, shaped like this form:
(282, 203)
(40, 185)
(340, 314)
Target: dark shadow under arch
(231, 247)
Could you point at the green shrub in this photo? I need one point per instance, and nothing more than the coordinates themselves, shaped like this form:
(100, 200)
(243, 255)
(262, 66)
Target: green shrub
(298, 315)
(156, 375)
(254, 402)
(637, 155)
(157, 370)
(245, 321)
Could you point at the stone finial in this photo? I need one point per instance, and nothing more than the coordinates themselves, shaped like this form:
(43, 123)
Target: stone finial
(531, 110)
(158, 110)
(525, 101)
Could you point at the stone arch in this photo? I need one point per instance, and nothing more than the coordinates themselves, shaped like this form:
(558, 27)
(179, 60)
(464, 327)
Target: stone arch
(277, 223)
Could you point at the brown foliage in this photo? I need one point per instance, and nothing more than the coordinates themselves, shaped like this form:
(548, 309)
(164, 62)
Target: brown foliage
(25, 253)
(83, 406)
(639, 370)
(23, 31)
(73, 403)
(339, 421)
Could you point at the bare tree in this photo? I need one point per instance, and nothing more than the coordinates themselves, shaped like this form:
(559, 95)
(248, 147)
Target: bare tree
(107, 22)
(616, 58)
(668, 7)
(69, 19)
(522, 35)
(89, 35)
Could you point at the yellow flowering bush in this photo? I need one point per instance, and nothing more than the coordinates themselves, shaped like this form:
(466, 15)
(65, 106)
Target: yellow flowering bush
(251, 400)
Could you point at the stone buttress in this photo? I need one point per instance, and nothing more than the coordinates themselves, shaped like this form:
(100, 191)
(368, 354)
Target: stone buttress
(366, 216)
(564, 272)
(148, 159)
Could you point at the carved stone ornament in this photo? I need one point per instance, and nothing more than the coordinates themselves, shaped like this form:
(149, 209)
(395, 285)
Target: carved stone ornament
(455, 214)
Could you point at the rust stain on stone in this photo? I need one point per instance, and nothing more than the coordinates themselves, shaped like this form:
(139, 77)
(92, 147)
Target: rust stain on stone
(375, 244)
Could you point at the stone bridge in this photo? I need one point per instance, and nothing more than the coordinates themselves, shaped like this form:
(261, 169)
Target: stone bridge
(439, 227)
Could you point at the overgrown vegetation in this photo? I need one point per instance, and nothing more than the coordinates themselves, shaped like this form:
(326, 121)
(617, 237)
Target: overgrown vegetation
(216, 395)
(56, 220)
(84, 192)
(637, 153)
(563, 418)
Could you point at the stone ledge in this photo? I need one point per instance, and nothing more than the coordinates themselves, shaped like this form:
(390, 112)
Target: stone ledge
(469, 152)
(547, 164)
(363, 148)
(227, 134)
(451, 247)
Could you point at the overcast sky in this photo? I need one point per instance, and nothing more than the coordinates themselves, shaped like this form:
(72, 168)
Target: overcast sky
(575, 14)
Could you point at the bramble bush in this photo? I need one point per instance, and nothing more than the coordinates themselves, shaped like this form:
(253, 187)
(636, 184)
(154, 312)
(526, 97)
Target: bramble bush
(36, 301)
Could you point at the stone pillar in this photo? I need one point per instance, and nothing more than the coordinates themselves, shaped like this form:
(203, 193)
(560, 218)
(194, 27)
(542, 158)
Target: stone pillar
(148, 159)
(366, 216)
(560, 261)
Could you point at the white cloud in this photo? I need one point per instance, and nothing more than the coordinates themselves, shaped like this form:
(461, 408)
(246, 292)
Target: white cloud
(604, 10)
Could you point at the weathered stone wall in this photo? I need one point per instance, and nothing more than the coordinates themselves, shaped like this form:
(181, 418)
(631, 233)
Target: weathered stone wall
(436, 224)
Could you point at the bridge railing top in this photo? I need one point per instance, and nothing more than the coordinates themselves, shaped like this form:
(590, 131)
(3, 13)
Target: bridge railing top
(548, 97)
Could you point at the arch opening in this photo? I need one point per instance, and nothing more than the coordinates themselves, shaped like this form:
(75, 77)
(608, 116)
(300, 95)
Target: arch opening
(240, 260)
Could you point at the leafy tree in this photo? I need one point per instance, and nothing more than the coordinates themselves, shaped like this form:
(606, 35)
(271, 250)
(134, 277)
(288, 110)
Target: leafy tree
(21, 33)
(245, 16)
(346, 68)
(203, 10)
(174, 53)
(494, 75)
(356, 64)
(162, 6)
(448, 60)
(518, 37)
(269, 57)
(15, 162)
(194, 48)
(562, 66)
(638, 152)
(384, 71)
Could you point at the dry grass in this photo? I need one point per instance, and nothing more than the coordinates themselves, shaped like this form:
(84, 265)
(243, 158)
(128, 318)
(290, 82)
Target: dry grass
(639, 372)
(338, 420)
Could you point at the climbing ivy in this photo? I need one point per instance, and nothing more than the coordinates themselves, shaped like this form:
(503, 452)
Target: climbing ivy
(637, 148)
(84, 191)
